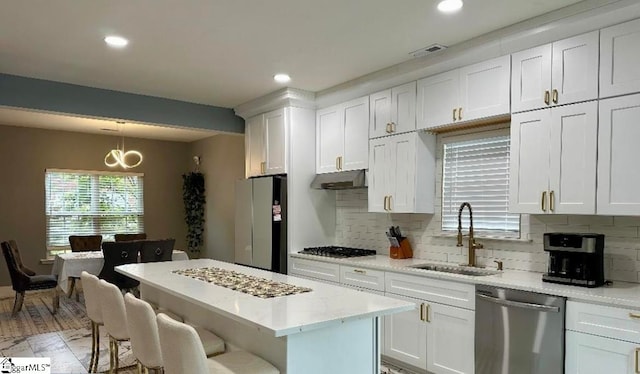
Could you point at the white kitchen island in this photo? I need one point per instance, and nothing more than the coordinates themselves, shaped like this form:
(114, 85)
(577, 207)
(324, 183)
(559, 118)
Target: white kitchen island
(330, 329)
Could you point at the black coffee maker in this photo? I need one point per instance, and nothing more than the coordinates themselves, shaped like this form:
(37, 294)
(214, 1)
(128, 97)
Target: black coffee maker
(576, 259)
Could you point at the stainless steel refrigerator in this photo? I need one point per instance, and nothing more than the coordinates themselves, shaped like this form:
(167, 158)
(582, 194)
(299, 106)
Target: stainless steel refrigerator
(261, 223)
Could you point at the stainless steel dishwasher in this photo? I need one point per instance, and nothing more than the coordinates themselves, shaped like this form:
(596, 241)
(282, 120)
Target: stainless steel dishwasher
(518, 332)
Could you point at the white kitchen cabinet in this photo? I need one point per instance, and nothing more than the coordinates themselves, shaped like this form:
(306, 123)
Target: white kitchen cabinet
(450, 339)
(314, 269)
(405, 335)
(400, 166)
(362, 278)
(553, 160)
(393, 111)
(342, 141)
(463, 95)
(560, 73)
(266, 144)
(619, 59)
(590, 354)
(618, 155)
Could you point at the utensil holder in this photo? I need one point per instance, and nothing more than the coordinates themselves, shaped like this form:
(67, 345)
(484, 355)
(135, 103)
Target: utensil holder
(403, 251)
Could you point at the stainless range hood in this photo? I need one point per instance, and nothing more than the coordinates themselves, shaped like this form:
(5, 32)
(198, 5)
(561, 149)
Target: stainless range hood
(342, 180)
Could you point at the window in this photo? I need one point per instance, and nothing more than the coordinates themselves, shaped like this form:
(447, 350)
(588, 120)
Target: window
(91, 203)
(477, 171)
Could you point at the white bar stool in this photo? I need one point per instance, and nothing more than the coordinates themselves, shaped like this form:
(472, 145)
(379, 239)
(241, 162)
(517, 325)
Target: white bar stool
(90, 284)
(114, 317)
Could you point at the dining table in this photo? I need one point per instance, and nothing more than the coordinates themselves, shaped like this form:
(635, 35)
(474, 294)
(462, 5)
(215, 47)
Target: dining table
(72, 264)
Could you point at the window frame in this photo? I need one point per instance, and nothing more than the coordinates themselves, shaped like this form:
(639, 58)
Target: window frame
(52, 251)
(470, 136)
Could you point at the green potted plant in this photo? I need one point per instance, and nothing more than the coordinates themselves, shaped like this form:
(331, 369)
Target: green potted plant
(193, 195)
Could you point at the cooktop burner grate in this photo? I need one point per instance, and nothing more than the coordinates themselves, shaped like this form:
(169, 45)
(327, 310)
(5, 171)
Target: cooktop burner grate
(335, 251)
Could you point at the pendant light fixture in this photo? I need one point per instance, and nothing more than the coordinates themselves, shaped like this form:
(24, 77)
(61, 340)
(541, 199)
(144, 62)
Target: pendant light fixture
(119, 157)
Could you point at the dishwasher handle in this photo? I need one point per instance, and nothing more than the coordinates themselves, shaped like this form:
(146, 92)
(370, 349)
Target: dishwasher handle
(518, 304)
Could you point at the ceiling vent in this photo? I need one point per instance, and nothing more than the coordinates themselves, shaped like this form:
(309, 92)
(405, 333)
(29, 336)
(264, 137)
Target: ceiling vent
(433, 48)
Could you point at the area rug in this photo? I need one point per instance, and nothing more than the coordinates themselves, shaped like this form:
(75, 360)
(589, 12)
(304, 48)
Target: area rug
(36, 318)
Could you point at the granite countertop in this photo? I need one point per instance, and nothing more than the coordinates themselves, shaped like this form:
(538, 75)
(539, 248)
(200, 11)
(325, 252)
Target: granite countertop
(621, 294)
(324, 306)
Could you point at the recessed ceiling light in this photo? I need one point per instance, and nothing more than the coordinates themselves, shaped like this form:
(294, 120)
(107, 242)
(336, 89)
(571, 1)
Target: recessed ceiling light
(281, 78)
(449, 6)
(116, 41)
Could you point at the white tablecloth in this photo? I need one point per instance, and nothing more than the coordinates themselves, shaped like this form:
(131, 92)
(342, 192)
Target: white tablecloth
(72, 264)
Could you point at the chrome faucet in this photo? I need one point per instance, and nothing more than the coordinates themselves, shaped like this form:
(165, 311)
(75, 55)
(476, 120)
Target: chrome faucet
(472, 241)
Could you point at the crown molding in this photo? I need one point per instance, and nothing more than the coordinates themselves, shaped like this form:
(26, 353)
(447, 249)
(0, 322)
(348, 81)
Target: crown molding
(285, 97)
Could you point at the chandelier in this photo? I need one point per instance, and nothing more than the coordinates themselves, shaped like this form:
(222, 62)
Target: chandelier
(119, 157)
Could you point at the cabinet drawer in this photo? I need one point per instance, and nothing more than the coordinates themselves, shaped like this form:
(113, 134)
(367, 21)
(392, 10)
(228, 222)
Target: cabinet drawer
(359, 277)
(315, 269)
(439, 291)
(611, 322)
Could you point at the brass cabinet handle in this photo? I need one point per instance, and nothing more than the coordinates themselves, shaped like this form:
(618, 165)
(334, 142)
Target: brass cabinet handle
(426, 312)
(634, 315)
(393, 127)
(455, 112)
(542, 203)
(460, 114)
(422, 312)
(555, 96)
(636, 360)
(263, 167)
(337, 163)
(385, 202)
(546, 97)
(359, 271)
(552, 204)
(388, 130)
(390, 202)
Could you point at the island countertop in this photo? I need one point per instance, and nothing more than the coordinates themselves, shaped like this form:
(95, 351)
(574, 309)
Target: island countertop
(324, 306)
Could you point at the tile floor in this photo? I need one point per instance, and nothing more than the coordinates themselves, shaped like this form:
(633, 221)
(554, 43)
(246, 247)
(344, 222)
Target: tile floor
(69, 350)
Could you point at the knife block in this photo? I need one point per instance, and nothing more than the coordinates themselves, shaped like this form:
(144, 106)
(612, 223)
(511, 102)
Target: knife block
(403, 251)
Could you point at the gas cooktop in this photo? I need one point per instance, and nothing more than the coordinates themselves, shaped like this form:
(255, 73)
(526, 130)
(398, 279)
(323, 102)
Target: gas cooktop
(334, 251)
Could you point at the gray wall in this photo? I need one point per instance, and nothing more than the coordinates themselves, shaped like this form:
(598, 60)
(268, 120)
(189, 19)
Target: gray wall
(222, 163)
(25, 153)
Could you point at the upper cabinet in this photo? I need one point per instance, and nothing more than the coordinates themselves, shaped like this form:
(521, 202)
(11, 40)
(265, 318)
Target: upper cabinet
(342, 141)
(466, 94)
(402, 173)
(620, 59)
(560, 73)
(266, 144)
(553, 160)
(393, 111)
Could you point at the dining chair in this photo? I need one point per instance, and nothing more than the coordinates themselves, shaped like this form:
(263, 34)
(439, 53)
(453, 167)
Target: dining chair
(90, 284)
(114, 317)
(157, 250)
(183, 353)
(23, 281)
(82, 243)
(130, 237)
(115, 254)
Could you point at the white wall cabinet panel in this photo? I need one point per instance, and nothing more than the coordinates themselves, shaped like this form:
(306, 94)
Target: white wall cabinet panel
(276, 144)
(254, 146)
(393, 111)
(553, 160)
(620, 59)
(342, 141)
(564, 72)
(405, 335)
(463, 95)
(450, 340)
(590, 354)
(618, 155)
(399, 166)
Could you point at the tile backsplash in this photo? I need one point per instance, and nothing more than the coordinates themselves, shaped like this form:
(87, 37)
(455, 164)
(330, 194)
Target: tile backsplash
(358, 228)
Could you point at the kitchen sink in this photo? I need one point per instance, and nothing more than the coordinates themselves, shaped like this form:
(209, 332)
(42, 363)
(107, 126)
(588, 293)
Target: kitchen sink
(464, 270)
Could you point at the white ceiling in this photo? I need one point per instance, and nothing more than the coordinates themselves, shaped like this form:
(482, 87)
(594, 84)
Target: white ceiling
(225, 52)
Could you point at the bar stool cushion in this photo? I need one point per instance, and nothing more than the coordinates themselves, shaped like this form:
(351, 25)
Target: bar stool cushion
(143, 330)
(113, 310)
(211, 342)
(240, 362)
(90, 284)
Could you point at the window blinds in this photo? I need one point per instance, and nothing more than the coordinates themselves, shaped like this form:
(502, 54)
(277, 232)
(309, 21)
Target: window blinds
(477, 172)
(91, 203)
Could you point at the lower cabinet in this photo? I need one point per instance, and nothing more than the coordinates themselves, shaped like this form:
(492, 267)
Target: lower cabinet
(405, 335)
(591, 354)
(450, 339)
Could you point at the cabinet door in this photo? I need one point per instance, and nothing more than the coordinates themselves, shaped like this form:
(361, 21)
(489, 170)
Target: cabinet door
(405, 336)
(485, 89)
(402, 173)
(356, 135)
(329, 139)
(380, 113)
(618, 155)
(450, 340)
(529, 170)
(275, 135)
(403, 108)
(574, 140)
(619, 59)
(436, 100)
(531, 77)
(378, 174)
(574, 70)
(590, 354)
(254, 146)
